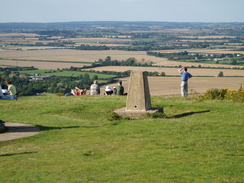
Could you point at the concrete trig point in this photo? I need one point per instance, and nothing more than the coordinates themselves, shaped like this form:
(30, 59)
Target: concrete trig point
(138, 101)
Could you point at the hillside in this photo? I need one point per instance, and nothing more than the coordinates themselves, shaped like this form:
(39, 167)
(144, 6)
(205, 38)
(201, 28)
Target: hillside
(197, 142)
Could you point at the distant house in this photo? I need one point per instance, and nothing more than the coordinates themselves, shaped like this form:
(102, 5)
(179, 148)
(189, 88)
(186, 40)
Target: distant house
(16, 75)
(37, 77)
(22, 76)
(12, 75)
(222, 59)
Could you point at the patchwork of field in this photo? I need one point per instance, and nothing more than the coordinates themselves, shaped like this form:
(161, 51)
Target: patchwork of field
(174, 71)
(30, 48)
(18, 34)
(171, 85)
(224, 51)
(207, 37)
(95, 40)
(91, 56)
(40, 65)
(73, 55)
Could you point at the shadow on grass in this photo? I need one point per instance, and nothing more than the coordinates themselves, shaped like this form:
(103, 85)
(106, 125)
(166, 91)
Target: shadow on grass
(187, 114)
(17, 153)
(47, 128)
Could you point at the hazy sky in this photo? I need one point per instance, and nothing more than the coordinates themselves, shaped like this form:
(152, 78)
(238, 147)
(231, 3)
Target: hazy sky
(121, 10)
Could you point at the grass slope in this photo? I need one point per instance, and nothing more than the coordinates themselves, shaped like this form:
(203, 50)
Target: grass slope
(197, 142)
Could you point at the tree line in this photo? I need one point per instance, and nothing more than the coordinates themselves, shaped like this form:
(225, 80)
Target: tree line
(63, 84)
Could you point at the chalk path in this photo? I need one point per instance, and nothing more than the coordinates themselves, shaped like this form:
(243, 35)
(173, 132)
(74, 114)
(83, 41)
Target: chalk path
(18, 130)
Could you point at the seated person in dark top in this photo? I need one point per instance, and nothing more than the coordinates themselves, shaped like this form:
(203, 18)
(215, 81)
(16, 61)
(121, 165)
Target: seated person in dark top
(119, 89)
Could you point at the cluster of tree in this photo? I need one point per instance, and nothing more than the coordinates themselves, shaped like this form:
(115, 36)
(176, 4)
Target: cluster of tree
(76, 33)
(57, 32)
(129, 62)
(7, 70)
(92, 47)
(180, 55)
(118, 74)
(184, 55)
(25, 87)
(55, 44)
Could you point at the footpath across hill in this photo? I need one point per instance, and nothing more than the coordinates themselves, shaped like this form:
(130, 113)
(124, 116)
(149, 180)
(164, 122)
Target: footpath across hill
(18, 130)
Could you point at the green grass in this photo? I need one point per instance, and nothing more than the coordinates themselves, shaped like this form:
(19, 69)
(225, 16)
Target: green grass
(63, 73)
(197, 142)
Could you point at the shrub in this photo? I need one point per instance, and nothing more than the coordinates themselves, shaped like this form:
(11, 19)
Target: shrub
(221, 74)
(60, 94)
(233, 95)
(221, 94)
(215, 94)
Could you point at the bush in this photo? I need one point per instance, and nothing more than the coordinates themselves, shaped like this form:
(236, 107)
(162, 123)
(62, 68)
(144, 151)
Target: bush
(215, 94)
(60, 94)
(233, 95)
(221, 74)
(221, 94)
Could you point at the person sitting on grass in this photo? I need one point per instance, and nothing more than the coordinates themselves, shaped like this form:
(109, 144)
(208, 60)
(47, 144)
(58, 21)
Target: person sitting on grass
(95, 89)
(12, 90)
(108, 90)
(119, 89)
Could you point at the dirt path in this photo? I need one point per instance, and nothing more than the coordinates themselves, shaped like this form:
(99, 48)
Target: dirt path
(18, 130)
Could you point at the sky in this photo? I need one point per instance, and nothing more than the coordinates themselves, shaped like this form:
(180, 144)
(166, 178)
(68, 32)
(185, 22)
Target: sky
(121, 10)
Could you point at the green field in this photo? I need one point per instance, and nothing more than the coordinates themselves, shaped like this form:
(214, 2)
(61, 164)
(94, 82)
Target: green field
(63, 73)
(197, 142)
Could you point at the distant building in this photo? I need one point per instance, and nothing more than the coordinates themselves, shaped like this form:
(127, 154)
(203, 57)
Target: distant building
(22, 76)
(37, 77)
(222, 59)
(12, 75)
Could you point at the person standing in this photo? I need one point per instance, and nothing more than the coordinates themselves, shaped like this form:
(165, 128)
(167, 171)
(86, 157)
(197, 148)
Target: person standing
(119, 89)
(184, 81)
(94, 89)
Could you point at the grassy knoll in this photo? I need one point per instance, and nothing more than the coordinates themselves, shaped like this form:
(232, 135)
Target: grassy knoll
(197, 142)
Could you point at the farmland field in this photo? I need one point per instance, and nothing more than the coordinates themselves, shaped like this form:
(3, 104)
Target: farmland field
(20, 49)
(73, 55)
(224, 51)
(160, 86)
(173, 71)
(40, 64)
(91, 56)
(64, 73)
